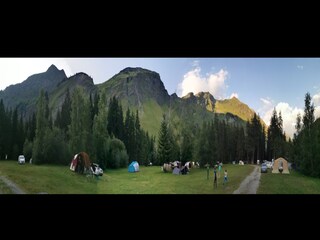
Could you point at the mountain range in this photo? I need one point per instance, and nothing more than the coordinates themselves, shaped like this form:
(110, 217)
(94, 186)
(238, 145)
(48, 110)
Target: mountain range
(137, 88)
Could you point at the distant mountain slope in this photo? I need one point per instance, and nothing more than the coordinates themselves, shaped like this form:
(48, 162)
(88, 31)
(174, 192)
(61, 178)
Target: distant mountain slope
(142, 90)
(24, 95)
(137, 88)
(57, 96)
(236, 107)
(136, 85)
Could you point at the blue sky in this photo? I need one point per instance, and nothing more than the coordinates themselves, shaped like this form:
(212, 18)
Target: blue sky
(262, 83)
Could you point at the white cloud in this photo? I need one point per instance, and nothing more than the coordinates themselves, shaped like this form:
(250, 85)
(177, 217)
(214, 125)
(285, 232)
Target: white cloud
(266, 102)
(300, 67)
(16, 70)
(317, 112)
(194, 82)
(288, 113)
(234, 95)
(316, 99)
(267, 106)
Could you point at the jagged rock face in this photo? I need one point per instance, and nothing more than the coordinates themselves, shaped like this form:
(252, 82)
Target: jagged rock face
(204, 99)
(79, 79)
(190, 98)
(137, 85)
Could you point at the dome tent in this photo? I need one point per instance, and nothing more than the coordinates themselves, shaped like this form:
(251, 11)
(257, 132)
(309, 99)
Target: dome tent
(133, 167)
(80, 163)
(280, 163)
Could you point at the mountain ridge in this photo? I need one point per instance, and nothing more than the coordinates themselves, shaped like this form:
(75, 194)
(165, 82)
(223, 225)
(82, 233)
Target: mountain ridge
(138, 88)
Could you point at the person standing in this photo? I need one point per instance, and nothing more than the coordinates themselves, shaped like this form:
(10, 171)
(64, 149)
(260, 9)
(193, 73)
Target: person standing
(215, 177)
(219, 169)
(225, 180)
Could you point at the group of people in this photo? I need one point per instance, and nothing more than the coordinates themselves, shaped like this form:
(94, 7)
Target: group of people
(219, 167)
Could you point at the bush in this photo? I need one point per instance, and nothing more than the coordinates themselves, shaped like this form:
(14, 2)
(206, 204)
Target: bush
(27, 149)
(55, 148)
(118, 156)
(102, 149)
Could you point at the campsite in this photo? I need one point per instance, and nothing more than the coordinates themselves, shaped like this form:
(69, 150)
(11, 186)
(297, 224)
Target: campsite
(131, 133)
(149, 180)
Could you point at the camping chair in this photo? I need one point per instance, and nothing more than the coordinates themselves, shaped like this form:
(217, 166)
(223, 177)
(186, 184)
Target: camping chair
(89, 173)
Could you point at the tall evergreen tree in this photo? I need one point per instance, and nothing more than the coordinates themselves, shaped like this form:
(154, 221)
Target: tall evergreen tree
(80, 127)
(41, 129)
(129, 135)
(186, 147)
(138, 138)
(65, 113)
(100, 132)
(164, 147)
(309, 137)
(308, 117)
(115, 119)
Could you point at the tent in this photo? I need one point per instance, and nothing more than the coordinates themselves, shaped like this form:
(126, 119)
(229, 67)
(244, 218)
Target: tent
(80, 163)
(133, 167)
(280, 163)
(176, 171)
(184, 170)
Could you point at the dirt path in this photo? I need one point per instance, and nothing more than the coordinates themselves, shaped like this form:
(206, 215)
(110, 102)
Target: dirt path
(251, 183)
(14, 188)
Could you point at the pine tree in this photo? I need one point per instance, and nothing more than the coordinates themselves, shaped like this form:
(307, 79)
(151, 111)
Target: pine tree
(298, 125)
(308, 117)
(138, 138)
(164, 147)
(65, 113)
(186, 147)
(115, 119)
(100, 132)
(41, 129)
(203, 152)
(309, 136)
(3, 120)
(80, 127)
(129, 135)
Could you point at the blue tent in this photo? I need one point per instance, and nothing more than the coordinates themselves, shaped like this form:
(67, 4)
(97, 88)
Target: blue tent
(133, 167)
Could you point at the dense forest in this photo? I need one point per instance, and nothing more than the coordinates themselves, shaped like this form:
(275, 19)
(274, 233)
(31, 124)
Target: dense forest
(113, 136)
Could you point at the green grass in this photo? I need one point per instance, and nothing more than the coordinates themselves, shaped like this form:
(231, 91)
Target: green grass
(151, 117)
(293, 183)
(150, 180)
(50, 179)
(4, 189)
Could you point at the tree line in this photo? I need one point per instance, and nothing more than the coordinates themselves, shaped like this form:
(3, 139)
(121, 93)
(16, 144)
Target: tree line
(218, 141)
(114, 137)
(83, 123)
(97, 125)
(305, 151)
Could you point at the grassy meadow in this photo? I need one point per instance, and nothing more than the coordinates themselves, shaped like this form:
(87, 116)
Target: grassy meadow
(150, 180)
(293, 183)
